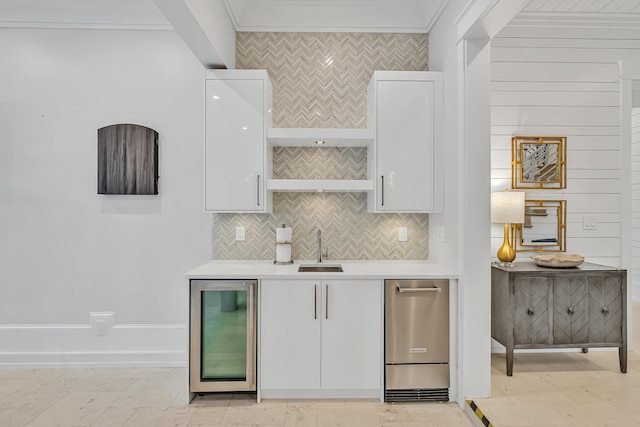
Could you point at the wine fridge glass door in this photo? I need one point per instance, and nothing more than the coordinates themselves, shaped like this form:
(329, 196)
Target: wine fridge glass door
(223, 336)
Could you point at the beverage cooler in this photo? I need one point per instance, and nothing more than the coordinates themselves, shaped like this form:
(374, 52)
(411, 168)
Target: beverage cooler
(222, 336)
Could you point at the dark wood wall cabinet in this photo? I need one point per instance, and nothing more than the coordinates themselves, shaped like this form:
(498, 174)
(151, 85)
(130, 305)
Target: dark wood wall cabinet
(127, 160)
(535, 307)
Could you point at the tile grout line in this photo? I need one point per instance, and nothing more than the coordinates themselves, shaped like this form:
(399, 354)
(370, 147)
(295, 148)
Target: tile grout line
(485, 421)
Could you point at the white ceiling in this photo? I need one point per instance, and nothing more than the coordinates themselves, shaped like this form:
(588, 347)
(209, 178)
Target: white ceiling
(304, 15)
(415, 16)
(81, 14)
(595, 13)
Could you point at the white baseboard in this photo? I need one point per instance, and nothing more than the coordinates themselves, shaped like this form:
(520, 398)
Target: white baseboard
(50, 346)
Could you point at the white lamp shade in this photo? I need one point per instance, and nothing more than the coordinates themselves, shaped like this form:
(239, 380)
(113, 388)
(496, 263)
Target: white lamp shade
(507, 207)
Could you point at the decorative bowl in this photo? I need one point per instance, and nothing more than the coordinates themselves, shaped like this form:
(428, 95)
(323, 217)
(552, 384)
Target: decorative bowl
(558, 260)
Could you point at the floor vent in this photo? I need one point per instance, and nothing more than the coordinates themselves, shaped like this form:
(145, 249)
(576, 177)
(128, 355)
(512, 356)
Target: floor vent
(417, 395)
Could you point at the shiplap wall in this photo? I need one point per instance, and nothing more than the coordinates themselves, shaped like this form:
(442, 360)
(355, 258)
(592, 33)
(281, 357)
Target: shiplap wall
(564, 82)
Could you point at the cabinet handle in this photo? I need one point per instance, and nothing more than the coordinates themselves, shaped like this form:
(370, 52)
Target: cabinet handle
(401, 290)
(530, 311)
(258, 190)
(570, 311)
(326, 302)
(315, 302)
(605, 310)
(382, 190)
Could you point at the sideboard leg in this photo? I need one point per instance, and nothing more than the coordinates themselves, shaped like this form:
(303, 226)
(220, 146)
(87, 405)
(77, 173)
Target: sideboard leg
(622, 353)
(509, 362)
(585, 349)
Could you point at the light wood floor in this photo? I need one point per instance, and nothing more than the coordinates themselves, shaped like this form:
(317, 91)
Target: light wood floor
(551, 389)
(566, 389)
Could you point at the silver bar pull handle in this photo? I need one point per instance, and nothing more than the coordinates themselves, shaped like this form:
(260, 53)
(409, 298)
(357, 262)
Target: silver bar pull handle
(400, 289)
(258, 190)
(315, 302)
(382, 190)
(326, 302)
(251, 332)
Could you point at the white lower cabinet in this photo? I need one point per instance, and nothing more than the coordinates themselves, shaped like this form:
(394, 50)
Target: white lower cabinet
(320, 336)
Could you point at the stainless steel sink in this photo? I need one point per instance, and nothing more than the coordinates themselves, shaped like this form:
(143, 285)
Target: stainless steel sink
(320, 268)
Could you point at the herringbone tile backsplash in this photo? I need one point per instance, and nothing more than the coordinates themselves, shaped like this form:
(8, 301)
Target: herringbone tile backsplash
(320, 80)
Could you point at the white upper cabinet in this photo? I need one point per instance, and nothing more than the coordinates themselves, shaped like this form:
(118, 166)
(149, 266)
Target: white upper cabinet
(405, 110)
(237, 162)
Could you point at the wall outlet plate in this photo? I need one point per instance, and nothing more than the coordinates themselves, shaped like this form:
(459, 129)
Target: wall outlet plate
(442, 234)
(102, 321)
(240, 234)
(590, 222)
(402, 234)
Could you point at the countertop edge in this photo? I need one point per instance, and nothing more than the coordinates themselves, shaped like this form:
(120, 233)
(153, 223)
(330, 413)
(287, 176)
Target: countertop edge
(246, 269)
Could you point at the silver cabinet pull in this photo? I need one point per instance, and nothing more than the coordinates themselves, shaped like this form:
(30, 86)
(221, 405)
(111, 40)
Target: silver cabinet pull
(382, 190)
(401, 290)
(605, 310)
(315, 302)
(326, 302)
(258, 190)
(570, 311)
(530, 311)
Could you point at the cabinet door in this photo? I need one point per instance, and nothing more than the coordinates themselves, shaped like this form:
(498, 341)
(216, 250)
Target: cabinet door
(405, 146)
(531, 317)
(351, 334)
(570, 310)
(234, 146)
(290, 334)
(606, 312)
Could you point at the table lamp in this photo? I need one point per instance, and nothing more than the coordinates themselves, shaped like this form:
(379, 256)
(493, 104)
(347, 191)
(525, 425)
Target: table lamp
(507, 207)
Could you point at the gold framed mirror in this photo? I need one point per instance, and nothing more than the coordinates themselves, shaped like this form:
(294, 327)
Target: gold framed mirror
(544, 227)
(538, 162)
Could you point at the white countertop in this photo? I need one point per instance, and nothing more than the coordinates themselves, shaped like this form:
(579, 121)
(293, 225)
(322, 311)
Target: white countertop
(245, 269)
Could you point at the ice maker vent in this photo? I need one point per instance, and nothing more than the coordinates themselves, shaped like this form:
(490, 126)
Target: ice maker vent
(417, 395)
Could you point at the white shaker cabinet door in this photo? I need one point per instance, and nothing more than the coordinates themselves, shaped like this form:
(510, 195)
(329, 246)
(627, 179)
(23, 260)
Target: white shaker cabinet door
(235, 145)
(290, 335)
(352, 334)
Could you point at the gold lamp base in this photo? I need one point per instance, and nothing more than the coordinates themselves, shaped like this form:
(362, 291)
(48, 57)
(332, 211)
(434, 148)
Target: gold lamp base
(506, 254)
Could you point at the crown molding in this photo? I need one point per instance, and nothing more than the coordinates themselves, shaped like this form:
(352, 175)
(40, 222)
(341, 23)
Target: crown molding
(83, 26)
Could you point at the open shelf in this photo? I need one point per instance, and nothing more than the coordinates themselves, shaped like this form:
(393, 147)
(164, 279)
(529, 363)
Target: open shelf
(308, 185)
(307, 137)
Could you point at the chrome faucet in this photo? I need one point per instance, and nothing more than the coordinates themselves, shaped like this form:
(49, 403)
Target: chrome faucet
(319, 241)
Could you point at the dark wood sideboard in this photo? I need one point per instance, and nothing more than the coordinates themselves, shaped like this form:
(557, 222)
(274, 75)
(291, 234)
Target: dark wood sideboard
(536, 307)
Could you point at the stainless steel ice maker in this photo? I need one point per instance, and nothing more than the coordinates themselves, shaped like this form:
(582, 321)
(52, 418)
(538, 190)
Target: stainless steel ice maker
(417, 340)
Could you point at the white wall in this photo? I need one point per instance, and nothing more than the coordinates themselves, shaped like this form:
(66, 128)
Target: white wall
(443, 248)
(635, 185)
(66, 251)
(466, 179)
(565, 81)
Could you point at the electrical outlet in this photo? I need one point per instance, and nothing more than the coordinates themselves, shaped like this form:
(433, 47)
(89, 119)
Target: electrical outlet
(402, 234)
(442, 234)
(590, 222)
(102, 321)
(239, 234)
(101, 327)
